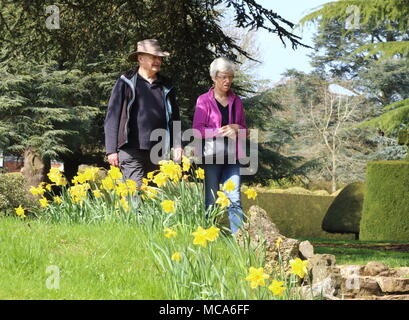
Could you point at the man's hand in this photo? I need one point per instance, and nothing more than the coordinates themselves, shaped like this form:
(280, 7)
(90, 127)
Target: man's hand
(177, 154)
(113, 159)
(229, 131)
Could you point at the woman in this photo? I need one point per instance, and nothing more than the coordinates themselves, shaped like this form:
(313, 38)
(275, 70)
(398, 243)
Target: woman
(219, 113)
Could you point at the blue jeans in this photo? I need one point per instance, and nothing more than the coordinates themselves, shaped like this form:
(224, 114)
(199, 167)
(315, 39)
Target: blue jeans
(216, 174)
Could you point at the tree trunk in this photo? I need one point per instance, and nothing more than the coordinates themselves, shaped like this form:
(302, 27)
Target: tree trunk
(35, 168)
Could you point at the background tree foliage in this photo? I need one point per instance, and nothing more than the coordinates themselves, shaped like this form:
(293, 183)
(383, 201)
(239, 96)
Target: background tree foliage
(380, 36)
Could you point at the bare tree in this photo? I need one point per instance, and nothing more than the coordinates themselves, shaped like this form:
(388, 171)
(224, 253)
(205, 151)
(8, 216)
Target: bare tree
(329, 117)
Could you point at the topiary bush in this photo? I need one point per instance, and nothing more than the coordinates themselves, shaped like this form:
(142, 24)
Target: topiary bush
(344, 213)
(13, 193)
(385, 214)
(296, 215)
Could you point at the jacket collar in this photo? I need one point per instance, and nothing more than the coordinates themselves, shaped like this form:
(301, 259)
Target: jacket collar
(230, 95)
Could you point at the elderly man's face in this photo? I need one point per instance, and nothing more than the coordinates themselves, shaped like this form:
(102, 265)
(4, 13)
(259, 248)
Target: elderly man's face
(149, 62)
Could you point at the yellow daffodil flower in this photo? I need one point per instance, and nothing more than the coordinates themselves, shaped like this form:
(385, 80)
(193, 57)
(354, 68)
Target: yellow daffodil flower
(160, 179)
(251, 194)
(229, 186)
(114, 173)
(277, 288)
(168, 206)
(299, 267)
(176, 257)
(169, 233)
(107, 184)
(212, 233)
(256, 277)
(200, 237)
(97, 193)
(279, 241)
(57, 199)
(222, 199)
(43, 202)
(185, 163)
(20, 211)
(200, 173)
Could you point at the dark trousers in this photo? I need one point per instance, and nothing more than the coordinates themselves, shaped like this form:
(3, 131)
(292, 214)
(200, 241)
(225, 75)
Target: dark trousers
(135, 164)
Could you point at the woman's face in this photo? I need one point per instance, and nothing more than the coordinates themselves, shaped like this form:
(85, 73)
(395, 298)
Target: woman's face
(223, 81)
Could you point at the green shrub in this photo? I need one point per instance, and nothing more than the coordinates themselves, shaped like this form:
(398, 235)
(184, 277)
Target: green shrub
(13, 193)
(385, 214)
(344, 214)
(296, 215)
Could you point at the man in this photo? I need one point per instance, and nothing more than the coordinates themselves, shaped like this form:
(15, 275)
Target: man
(141, 102)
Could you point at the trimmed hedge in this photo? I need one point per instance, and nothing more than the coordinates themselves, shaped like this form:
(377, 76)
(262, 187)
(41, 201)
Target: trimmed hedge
(344, 214)
(385, 215)
(13, 193)
(296, 215)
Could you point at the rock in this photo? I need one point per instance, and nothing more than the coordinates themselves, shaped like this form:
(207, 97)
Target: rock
(261, 230)
(402, 272)
(326, 277)
(306, 249)
(324, 289)
(348, 270)
(393, 285)
(374, 268)
(360, 286)
(388, 297)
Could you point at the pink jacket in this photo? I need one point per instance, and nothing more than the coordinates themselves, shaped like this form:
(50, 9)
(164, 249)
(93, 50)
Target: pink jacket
(208, 119)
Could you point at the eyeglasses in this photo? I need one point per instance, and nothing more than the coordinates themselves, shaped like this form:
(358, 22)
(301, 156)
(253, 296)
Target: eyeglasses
(223, 78)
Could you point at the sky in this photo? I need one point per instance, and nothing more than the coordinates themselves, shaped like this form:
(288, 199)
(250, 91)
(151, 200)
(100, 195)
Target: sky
(275, 57)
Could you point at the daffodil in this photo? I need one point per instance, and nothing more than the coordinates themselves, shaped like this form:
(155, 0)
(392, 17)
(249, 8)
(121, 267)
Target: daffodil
(171, 170)
(200, 237)
(222, 199)
(57, 199)
(91, 174)
(160, 179)
(124, 204)
(121, 189)
(229, 186)
(107, 184)
(212, 233)
(131, 186)
(43, 202)
(39, 191)
(169, 233)
(185, 163)
(114, 173)
(97, 193)
(256, 277)
(251, 194)
(278, 242)
(299, 267)
(176, 257)
(277, 288)
(200, 173)
(150, 175)
(149, 192)
(168, 206)
(55, 175)
(20, 211)
(79, 192)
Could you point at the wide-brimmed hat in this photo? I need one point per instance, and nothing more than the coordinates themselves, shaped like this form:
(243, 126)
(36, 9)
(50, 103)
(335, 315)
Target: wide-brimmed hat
(150, 46)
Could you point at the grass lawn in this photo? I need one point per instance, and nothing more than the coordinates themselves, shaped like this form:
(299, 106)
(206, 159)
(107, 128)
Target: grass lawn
(360, 252)
(112, 261)
(99, 261)
(95, 262)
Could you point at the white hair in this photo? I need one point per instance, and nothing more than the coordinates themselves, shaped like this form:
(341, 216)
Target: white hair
(221, 65)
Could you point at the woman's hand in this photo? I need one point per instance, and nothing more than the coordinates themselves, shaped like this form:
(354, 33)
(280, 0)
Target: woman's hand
(229, 131)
